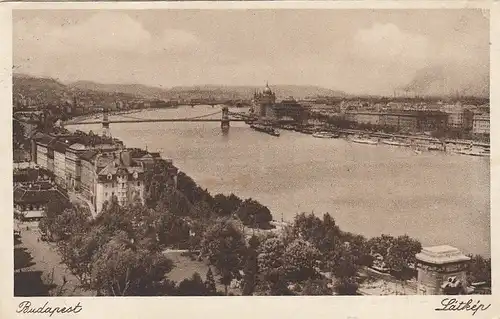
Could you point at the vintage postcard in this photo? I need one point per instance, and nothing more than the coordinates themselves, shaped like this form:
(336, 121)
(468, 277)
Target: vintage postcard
(288, 153)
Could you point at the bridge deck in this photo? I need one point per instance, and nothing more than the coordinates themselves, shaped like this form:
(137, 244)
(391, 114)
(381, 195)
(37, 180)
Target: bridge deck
(152, 120)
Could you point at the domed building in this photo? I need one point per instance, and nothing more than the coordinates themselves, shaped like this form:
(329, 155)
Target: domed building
(264, 101)
(285, 111)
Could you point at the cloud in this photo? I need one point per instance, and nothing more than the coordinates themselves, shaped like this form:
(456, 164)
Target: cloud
(103, 32)
(387, 41)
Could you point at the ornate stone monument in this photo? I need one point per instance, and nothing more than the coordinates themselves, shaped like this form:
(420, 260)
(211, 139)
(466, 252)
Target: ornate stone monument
(442, 270)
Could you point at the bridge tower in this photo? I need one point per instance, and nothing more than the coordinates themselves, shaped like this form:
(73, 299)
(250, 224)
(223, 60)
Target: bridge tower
(105, 124)
(224, 123)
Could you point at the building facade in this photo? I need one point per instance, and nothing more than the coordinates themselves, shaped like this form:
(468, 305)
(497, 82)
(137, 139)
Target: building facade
(73, 166)
(481, 124)
(373, 118)
(441, 270)
(121, 177)
(60, 163)
(42, 151)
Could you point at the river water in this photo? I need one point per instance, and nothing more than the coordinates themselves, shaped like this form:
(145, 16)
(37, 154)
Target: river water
(369, 189)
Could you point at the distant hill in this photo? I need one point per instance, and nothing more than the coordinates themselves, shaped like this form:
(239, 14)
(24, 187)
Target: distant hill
(205, 91)
(282, 91)
(30, 90)
(132, 89)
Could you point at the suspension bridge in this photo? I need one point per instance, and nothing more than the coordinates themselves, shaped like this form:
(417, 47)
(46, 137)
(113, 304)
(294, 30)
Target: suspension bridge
(224, 117)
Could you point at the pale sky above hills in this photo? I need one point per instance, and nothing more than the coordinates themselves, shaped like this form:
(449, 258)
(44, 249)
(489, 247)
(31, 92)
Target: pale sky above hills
(357, 51)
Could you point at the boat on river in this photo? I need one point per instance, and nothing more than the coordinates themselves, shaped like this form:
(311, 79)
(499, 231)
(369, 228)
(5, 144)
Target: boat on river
(361, 140)
(434, 147)
(325, 135)
(395, 143)
(265, 129)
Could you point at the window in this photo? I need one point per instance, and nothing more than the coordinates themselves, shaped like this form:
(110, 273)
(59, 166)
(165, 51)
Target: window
(106, 194)
(138, 183)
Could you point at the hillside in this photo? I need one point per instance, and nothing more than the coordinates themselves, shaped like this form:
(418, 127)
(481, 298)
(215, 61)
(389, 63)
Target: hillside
(29, 90)
(282, 91)
(205, 91)
(132, 89)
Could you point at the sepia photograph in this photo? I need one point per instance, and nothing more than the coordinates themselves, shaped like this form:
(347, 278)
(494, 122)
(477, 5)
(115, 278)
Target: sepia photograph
(255, 152)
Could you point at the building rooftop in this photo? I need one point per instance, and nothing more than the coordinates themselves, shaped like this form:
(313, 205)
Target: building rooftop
(442, 254)
(38, 193)
(59, 147)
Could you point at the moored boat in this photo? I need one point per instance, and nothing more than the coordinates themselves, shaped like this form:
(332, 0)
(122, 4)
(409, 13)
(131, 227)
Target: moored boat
(265, 129)
(323, 135)
(364, 141)
(395, 143)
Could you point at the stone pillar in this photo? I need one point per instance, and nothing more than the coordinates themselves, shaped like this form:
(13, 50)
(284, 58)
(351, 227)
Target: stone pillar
(225, 122)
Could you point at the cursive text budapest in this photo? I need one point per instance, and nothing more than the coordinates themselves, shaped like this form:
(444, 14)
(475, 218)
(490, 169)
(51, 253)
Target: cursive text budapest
(27, 307)
(452, 304)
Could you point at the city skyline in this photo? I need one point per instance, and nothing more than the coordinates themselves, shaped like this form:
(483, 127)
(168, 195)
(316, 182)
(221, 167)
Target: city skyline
(355, 51)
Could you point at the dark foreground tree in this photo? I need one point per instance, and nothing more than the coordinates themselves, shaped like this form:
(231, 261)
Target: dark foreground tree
(225, 247)
(210, 283)
(193, 286)
(124, 269)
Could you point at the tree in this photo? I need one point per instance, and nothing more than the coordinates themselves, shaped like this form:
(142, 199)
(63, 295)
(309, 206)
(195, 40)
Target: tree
(18, 139)
(224, 246)
(70, 222)
(173, 231)
(316, 287)
(226, 205)
(79, 250)
(381, 245)
(251, 268)
(254, 214)
(123, 269)
(210, 283)
(193, 286)
(345, 272)
(308, 227)
(402, 253)
(270, 256)
(300, 261)
(479, 270)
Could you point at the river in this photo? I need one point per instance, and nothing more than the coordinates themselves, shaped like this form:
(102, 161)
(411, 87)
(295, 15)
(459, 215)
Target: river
(369, 189)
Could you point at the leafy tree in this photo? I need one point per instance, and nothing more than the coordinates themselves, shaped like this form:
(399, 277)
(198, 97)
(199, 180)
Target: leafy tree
(251, 268)
(345, 272)
(308, 227)
(70, 222)
(226, 205)
(18, 139)
(300, 260)
(122, 268)
(254, 214)
(193, 286)
(381, 245)
(316, 287)
(224, 246)
(79, 250)
(173, 231)
(270, 256)
(402, 253)
(210, 283)
(479, 270)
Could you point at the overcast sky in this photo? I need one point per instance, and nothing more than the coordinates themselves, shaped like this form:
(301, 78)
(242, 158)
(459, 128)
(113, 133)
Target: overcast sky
(357, 51)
